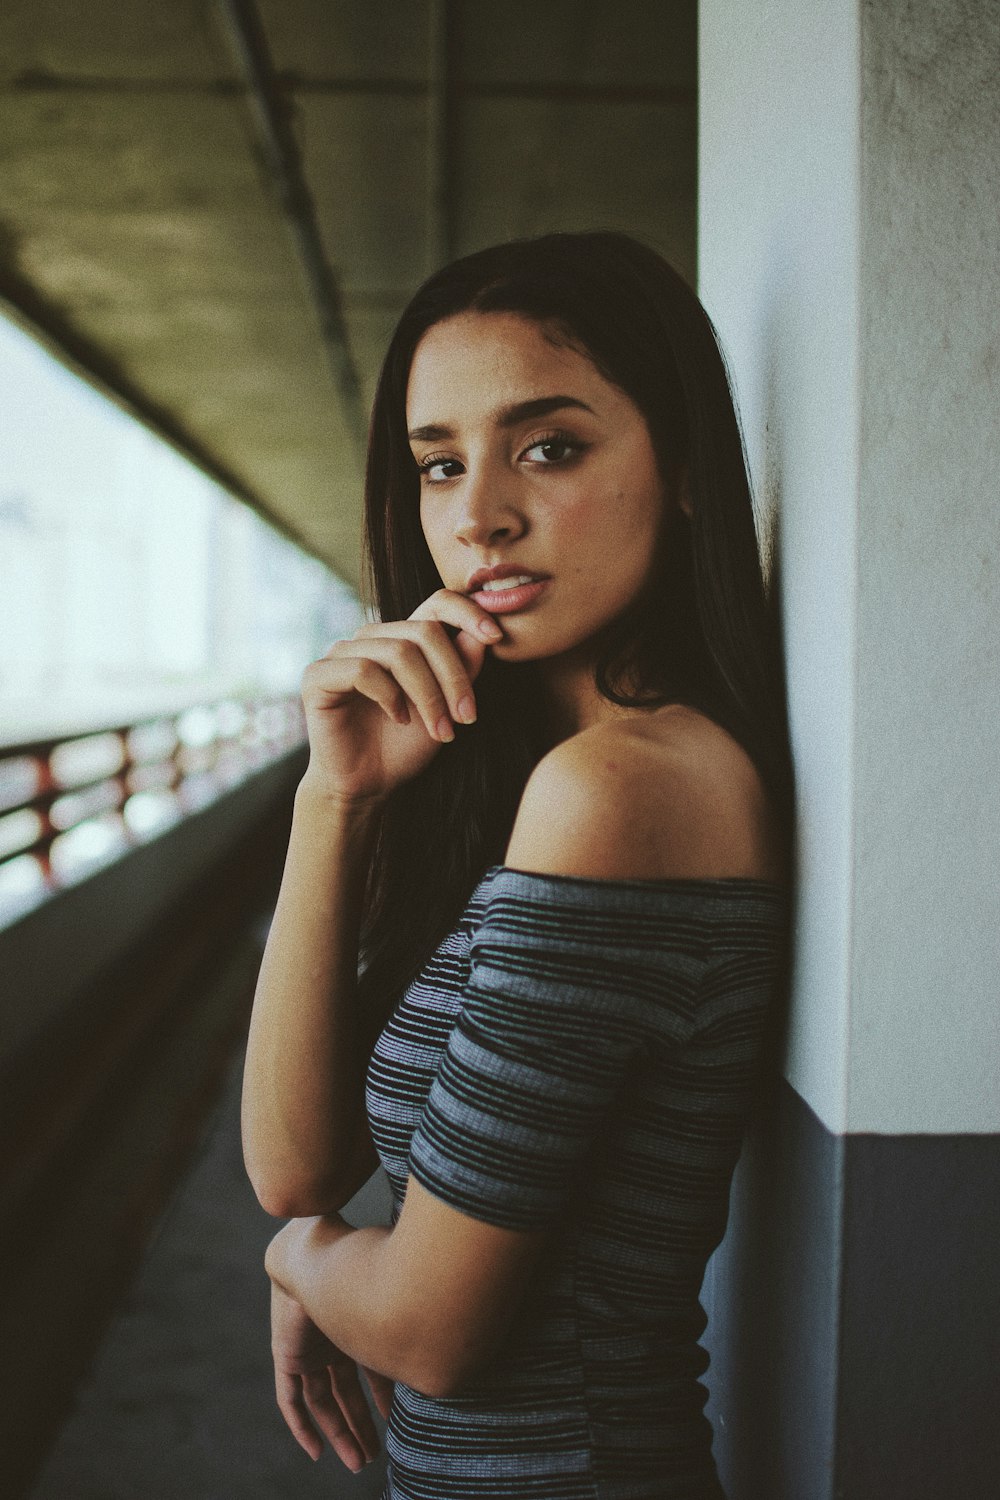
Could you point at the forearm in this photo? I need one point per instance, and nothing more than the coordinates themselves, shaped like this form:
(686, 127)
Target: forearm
(303, 1082)
(427, 1302)
(349, 1284)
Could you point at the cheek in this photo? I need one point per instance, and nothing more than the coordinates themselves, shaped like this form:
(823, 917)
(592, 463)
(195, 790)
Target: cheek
(615, 523)
(586, 519)
(432, 531)
(644, 509)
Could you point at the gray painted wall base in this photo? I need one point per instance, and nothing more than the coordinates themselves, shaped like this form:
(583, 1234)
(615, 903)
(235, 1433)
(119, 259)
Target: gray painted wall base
(919, 1387)
(854, 1315)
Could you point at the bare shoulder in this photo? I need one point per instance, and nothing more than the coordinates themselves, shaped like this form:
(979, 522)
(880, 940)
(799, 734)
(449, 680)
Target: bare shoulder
(661, 795)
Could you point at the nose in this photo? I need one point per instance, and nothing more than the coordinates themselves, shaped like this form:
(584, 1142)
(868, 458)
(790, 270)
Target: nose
(487, 511)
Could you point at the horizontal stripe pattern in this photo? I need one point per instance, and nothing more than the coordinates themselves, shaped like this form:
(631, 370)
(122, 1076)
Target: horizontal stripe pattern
(577, 1056)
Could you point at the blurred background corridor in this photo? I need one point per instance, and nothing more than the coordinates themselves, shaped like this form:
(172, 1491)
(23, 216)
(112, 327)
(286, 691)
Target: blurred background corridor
(212, 215)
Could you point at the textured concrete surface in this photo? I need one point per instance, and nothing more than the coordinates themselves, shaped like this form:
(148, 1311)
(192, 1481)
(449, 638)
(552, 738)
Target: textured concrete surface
(179, 1404)
(140, 226)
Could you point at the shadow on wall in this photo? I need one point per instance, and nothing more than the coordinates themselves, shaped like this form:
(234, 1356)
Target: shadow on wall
(771, 1303)
(769, 1290)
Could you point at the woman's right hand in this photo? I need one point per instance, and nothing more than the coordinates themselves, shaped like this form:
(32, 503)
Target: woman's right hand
(317, 1387)
(380, 705)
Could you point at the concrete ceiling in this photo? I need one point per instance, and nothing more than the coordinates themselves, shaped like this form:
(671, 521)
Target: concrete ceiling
(158, 215)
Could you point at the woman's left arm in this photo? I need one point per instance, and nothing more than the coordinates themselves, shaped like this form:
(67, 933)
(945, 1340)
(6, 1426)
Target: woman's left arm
(423, 1302)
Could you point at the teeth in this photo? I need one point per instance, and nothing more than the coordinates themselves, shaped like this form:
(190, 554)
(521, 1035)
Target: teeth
(494, 585)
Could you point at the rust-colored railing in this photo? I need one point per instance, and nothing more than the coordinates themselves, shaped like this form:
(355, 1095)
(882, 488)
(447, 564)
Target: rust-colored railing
(70, 805)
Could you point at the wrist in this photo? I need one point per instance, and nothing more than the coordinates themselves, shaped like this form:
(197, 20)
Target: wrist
(286, 1257)
(315, 794)
(277, 1256)
(298, 1235)
(346, 828)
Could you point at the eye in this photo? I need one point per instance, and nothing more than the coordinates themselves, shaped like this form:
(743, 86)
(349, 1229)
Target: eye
(556, 448)
(435, 462)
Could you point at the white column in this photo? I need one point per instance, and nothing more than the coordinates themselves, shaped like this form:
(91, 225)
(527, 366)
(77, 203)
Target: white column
(848, 253)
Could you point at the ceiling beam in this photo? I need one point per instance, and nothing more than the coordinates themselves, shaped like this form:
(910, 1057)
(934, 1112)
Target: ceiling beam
(283, 161)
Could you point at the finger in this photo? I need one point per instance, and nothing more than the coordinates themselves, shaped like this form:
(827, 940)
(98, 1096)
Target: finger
(454, 667)
(472, 652)
(331, 1421)
(347, 1389)
(453, 608)
(359, 674)
(292, 1406)
(382, 1389)
(406, 661)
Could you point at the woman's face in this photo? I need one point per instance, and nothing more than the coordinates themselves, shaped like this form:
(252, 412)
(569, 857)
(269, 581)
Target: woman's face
(532, 462)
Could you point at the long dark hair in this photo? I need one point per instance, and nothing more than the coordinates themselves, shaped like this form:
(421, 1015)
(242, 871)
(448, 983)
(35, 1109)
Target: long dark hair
(702, 632)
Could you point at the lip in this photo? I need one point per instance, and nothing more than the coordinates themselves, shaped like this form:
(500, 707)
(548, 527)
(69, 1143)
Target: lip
(509, 601)
(500, 570)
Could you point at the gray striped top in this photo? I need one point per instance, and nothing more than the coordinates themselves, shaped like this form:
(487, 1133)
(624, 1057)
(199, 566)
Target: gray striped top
(578, 1056)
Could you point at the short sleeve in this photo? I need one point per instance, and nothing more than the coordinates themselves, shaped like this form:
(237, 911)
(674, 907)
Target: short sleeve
(570, 982)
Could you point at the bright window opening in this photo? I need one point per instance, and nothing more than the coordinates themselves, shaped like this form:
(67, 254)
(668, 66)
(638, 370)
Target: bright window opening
(133, 583)
(153, 631)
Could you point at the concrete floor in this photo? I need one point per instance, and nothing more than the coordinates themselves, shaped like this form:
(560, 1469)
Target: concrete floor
(179, 1403)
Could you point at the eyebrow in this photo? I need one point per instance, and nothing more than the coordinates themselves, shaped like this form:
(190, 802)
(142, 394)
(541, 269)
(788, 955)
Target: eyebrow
(508, 416)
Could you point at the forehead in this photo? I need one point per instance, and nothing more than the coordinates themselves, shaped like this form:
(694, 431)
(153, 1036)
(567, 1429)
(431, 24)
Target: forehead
(473, 364)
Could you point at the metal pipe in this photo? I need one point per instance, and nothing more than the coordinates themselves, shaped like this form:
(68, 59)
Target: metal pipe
(284, 164)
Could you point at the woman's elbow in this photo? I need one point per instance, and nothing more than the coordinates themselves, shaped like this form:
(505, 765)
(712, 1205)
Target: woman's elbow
(286, 1199)
(292, 1185)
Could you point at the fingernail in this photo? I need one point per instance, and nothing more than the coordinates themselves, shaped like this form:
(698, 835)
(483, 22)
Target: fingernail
(490, 629)
(466, 709)
(444, 729)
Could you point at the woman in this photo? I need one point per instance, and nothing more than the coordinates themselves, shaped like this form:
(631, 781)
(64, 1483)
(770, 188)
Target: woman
(547, 801)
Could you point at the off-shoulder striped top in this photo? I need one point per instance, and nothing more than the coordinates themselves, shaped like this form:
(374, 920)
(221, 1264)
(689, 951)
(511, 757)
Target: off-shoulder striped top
(578, 1056)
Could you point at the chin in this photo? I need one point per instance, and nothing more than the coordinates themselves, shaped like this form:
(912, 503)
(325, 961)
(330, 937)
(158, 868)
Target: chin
(508, 650)
(537, 647)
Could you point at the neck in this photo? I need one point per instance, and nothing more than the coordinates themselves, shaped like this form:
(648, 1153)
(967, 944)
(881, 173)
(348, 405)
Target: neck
(573, 699)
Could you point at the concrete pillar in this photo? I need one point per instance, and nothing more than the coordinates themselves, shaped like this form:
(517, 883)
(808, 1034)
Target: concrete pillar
(849, 226)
